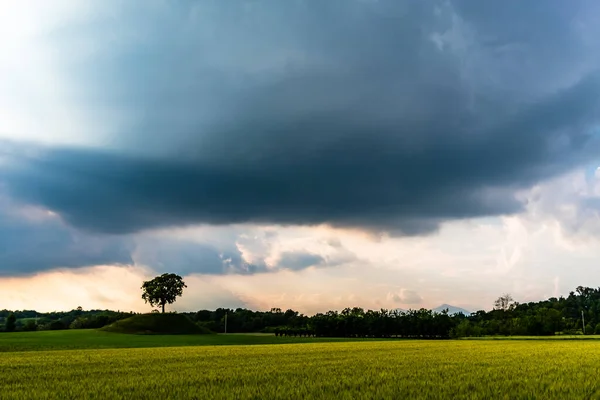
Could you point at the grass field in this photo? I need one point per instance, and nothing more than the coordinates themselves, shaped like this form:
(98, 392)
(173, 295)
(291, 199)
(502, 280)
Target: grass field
(351, 370)
(74, 339)
(396, 369)
(537, 338)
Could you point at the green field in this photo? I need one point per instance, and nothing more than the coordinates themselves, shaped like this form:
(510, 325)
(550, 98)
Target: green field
(75, 339)
(394, 369)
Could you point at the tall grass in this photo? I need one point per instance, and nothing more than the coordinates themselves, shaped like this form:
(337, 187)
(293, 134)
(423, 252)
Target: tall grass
(359, 370)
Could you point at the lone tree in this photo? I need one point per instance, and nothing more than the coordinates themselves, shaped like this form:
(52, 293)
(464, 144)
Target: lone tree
(163, 289)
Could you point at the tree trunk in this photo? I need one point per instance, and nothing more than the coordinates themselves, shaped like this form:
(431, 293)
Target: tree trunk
(163, 308)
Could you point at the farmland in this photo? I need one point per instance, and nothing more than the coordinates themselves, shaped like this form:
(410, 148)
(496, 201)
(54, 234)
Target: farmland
(96, 339)
(466, 369)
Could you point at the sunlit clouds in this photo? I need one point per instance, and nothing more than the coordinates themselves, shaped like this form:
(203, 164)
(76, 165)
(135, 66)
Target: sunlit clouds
(307, 155)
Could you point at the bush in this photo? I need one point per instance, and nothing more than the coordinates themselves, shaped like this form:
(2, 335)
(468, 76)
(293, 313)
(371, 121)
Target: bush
(94, 322)
(57, 325)
(169, 324)
(465, 329)
(589, 329)
(212, 326)
(11, 323)
(30, 326)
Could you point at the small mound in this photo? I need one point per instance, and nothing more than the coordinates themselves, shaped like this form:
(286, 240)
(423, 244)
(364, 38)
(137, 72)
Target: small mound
(157, 324)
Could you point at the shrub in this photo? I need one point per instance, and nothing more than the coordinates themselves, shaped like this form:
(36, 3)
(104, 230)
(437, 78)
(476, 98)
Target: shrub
(11, 323)
(30, 326)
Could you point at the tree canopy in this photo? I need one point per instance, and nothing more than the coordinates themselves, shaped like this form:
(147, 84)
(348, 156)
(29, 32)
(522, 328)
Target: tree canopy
(162, 290)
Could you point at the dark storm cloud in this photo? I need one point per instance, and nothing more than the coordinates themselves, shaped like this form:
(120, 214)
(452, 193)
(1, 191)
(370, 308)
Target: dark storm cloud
(386, 115)
(36, 243)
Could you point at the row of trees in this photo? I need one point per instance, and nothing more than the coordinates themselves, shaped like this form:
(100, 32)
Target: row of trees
(30, 320)
(577, 313)
(357, 322)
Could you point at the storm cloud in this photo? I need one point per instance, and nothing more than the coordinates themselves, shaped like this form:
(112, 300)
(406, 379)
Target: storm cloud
(33, 240)
(384, 115)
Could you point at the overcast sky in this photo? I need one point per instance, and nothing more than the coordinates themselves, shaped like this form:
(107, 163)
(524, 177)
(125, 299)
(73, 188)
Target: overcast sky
(305, 153)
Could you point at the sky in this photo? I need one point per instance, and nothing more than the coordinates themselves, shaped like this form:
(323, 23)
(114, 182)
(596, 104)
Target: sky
(301, 154)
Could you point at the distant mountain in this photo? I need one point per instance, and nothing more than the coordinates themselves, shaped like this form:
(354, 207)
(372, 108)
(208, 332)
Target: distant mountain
(451, 309)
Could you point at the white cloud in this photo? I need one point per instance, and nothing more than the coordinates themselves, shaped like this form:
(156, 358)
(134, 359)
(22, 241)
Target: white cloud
(572, 201)
(463, 266)
(546, 251)
(95, 287)
(37, 100)
(534, 255)
(405, 297)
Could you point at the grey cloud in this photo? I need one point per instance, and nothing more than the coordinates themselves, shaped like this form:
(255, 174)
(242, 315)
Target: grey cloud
(572, 201)
(186, 257)
(389, 115)
(299, 260)
(32, 240)
(28, 246)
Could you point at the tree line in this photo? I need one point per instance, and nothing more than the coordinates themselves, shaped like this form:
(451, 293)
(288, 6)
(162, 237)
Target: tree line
(31, 320)
(577, 313)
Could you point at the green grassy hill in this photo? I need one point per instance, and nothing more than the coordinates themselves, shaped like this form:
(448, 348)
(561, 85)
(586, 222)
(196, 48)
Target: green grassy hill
(157, 324)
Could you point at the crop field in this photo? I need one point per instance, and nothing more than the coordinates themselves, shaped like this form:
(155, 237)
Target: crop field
(344, 370)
